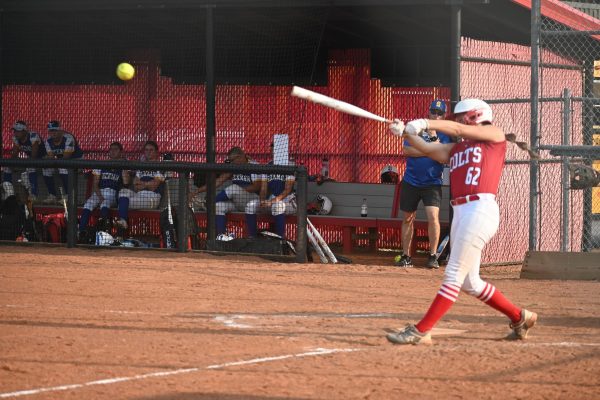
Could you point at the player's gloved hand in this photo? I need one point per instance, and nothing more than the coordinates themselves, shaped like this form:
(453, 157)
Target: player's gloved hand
(417, 126)
(397, 127)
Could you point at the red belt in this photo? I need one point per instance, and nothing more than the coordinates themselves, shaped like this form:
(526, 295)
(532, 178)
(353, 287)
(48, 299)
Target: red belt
(462, 200)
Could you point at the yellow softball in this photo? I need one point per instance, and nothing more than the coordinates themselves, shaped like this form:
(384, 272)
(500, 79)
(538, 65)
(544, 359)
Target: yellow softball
(125, 71)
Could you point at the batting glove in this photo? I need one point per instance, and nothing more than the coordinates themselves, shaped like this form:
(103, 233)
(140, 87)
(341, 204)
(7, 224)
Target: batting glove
(417, 126)
(397, 127)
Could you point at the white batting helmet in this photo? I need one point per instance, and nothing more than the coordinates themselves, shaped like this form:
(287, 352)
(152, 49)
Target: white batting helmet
(476, 111)
(326, 204)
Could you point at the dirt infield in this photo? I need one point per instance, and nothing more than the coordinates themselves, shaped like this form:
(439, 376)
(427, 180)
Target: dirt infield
(107, 324)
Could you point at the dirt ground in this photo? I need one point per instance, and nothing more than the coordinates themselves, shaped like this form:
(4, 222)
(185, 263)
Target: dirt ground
(126, 324)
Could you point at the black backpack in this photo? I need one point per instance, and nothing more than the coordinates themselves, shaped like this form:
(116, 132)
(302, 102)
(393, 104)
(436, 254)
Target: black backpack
(12, 218)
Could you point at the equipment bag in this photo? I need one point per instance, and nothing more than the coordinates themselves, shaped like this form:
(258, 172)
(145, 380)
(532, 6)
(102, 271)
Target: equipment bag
(54, 228)
(258, 245)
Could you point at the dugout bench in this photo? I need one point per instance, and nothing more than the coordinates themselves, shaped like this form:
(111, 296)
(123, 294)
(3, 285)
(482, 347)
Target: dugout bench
(381, 228)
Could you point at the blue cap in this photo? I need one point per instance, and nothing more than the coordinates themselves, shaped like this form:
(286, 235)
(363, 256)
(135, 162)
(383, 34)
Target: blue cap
(53, 126)
(438, 105)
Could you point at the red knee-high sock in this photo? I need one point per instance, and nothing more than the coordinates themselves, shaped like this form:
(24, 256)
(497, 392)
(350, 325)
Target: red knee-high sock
(446, 296)
(495, 299)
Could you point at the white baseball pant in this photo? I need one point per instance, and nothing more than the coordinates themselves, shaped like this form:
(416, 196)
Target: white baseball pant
(473, 225)
(141, 199)
(110, 199)
(238, 198)
(286, 206)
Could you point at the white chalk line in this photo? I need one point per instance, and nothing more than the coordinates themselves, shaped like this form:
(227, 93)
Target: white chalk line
(561, 344)
(109, 381)
(86, 309)
(230, 320)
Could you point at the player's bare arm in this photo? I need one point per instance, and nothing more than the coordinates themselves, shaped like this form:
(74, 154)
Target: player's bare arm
(254, 187)
(410, 151)
(482, 133)
(263, 192)
(219, 181)
(35, 148)
(14, 153)
(96, 186)
(439, 152)
(153, 184)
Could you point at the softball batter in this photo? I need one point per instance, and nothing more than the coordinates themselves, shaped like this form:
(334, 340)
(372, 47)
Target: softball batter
(476, 164)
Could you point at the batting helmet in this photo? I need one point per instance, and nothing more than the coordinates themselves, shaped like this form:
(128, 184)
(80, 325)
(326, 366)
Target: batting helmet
(326, 204)
(476, 111)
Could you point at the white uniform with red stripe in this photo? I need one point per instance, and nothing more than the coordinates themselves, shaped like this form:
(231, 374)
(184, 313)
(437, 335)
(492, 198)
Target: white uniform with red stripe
(475, 171)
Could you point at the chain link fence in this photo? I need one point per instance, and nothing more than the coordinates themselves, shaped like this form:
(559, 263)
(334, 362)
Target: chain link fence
(569, 218)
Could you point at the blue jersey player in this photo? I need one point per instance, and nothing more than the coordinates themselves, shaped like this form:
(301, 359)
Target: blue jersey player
(29, 143)
(106, 185)
(277, 197)
(60, 144)
(147, 186)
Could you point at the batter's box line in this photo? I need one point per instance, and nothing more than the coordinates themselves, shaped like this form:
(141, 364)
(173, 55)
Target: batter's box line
(109, 381)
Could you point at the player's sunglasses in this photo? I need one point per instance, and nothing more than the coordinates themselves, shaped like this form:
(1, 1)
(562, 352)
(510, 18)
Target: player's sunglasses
(436, 112)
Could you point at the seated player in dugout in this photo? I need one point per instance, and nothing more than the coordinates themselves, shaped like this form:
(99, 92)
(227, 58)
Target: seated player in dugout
(147, 186)
(106, 185)
(30, 143)
(60, 144)
(276, 196)
(243, 189)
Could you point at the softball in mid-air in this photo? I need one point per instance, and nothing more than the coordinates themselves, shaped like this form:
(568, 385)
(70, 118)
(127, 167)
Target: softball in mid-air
(125, 71)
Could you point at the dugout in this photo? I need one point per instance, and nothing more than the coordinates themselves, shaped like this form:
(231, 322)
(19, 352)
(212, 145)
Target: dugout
(216, 74)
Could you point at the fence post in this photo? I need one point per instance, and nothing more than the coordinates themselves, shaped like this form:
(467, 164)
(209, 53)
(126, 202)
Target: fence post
(566, 125)
(72, 208)
(534, 138)
(301, 199)
(183, 228)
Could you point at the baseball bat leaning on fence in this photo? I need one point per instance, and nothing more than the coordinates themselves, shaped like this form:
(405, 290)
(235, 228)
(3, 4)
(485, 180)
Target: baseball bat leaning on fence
(321, 241)
(335, 104)
(316, 246)
(169, 230)
(64, 202)
(441, 247)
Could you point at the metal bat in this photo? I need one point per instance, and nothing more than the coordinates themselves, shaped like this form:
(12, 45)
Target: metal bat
(316, 246)
(335, 104)
(442, 246)
(170, 231)
(64, 201)
(322, 242)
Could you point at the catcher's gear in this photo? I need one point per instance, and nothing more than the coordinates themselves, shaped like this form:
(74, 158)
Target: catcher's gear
(416, 127)
(583, 177)
(397, 127)
(476, 111)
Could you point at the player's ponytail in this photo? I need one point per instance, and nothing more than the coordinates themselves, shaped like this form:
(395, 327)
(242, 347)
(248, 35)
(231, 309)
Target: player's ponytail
(511, 137)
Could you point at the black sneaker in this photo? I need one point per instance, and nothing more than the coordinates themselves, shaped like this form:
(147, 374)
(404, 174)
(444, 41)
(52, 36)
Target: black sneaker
(404, 262)
(432, 262)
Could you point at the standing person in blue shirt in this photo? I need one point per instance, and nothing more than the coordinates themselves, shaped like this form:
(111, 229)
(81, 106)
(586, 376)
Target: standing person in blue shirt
(106, 185)
(60, 144)
(422, 181)
(30, 143)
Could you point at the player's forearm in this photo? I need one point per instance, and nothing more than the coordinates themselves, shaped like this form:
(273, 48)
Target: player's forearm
(410, 151)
